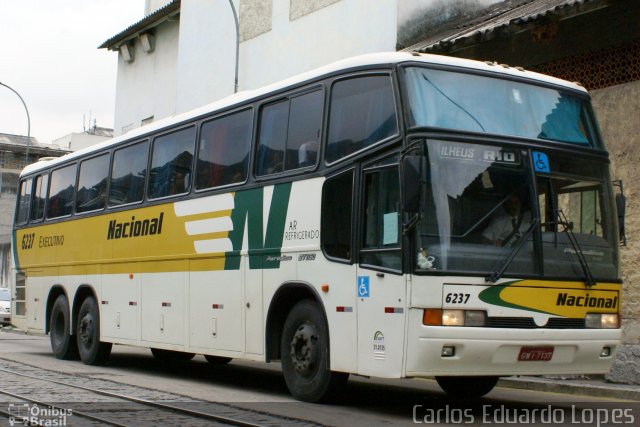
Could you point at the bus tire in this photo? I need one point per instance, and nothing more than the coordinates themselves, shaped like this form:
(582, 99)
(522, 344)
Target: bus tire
(63, 345)
(92, 351)
(171, 356)
(467, 387)
(217, 360)
(305, 355)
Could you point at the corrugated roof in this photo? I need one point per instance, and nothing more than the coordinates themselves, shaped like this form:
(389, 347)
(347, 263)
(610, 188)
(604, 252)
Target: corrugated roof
(9, 139)
(503, 17)
(145, 24)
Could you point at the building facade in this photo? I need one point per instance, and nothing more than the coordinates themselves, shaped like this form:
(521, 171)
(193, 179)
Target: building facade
(16, 152)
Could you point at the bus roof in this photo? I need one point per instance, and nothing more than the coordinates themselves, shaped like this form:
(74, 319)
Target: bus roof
(373, 59)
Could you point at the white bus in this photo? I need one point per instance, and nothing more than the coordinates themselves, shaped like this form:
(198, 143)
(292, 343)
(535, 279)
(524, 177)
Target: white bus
(391, 215)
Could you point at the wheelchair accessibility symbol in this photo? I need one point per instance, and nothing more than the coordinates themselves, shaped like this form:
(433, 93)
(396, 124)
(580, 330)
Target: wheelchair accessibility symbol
(363, 286)
(541, 162)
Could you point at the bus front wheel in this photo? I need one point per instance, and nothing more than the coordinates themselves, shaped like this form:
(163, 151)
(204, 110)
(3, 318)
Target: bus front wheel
(63, 344)
(467, 387)
(305, 354)
(92, 351)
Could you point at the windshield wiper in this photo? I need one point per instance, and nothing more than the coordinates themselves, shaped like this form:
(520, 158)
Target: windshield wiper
(562, 220)
(506, 261)
(464, 110)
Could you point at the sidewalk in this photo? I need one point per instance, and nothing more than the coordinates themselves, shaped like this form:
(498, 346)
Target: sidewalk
(595, 386)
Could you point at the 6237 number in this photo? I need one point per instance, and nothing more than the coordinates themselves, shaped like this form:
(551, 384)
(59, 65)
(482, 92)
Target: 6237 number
(27, 240)
(457, 298)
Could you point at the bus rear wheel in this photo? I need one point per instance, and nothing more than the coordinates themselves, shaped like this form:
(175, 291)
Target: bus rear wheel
(305, 355)
(171, 356)
(63, 345)
(92, 351)
(467, 387)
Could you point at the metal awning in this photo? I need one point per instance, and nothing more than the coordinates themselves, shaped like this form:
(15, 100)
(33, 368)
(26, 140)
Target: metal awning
(147, 23)
(506, 17)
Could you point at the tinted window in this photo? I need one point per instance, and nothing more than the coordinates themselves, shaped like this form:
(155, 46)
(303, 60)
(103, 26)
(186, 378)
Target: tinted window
(337, 203)
(362, 113)
(290, 133)
(92, 184)
(39, 197)
(223, 155)
(381, 219)
(272, 139)
(172, 163)
(128, 174)
(24, 201)
(61, 192)
(303, 138)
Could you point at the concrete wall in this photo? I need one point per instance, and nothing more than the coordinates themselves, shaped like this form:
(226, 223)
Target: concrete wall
(146, 87)
(618, 109)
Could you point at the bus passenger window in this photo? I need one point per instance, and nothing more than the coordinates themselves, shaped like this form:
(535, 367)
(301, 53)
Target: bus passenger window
(24, 201)
(172, 163)
(92, 184)
(128, 174)
(223, 155)
(272, 140)
(61, 192)
(39, 198)
(337, 207)
(362, 113)
(305, 123)
(290, 134)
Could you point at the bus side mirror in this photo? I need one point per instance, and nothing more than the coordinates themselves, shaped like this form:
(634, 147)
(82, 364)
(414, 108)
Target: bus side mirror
(621, 205)
(411, 167)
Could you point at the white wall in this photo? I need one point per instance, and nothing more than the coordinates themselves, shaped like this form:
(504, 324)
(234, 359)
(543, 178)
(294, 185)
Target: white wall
(193, 63)
(207, 44)
(147, 86)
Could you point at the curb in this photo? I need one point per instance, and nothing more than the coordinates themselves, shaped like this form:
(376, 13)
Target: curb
(592, 389)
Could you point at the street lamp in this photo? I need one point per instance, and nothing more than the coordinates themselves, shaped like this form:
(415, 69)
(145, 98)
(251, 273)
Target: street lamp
(235, 19)
(26, 156)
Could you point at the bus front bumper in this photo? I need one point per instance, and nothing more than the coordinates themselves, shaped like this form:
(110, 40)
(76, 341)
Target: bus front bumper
(496, 351)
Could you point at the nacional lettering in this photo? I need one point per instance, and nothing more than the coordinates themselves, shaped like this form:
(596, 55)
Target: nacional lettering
(135, 228)
(566, 300)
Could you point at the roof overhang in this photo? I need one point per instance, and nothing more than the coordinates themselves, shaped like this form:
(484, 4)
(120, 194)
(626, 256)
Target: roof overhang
(146, 24)
(508, 17)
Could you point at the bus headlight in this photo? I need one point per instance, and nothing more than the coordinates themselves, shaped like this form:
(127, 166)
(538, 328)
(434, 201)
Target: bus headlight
(464, 317)
(601, 321)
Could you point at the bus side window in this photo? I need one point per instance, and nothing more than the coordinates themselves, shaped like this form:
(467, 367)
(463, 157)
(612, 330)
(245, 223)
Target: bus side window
(223, 155)
(337, 208)
(39, 198)
(172, 163)
(273, 137)
(62, 192)
(290, 133)
(92, 184)
(24, 201)
(128, 174)
(362, 114)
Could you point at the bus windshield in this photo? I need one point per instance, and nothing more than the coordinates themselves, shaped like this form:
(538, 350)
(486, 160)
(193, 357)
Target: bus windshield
(475, 103)
(479, 204)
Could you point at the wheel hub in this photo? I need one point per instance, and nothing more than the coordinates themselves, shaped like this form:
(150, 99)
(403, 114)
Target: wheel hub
(304, 349)
(86, 329)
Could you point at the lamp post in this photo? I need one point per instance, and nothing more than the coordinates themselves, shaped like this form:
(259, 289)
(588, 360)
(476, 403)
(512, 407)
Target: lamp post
(26, 156)
(235, 19)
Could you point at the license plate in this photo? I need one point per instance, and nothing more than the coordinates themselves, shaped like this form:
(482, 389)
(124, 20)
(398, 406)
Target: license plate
(535, 354)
